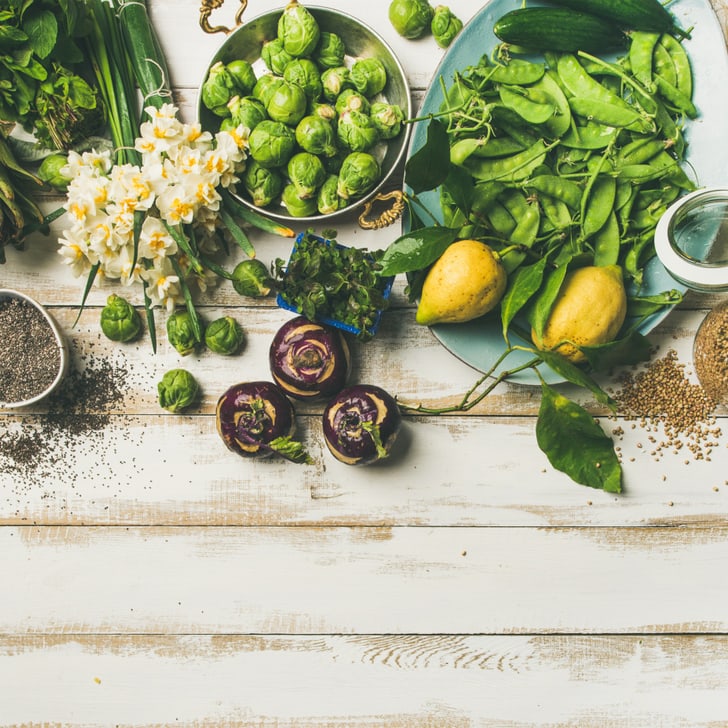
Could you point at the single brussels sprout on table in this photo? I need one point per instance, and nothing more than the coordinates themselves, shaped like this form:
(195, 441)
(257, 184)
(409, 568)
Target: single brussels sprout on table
(252, 278)
(177, 390)
(330, 51)
(271, 143)
(262, 184)
(387, 118)
(224, 336)
(181, 332)
(369, 76)
(316, 135)
(275, 57)
(361, 424)
(305, 73)
(306, 172)
(218, 88)
(334, 81)
(287, 103)
(309, 359)
(411, 18)
(247, 111)
(296, 205)
(445, 26)
(328, 200)
(49, 171)
(356, 131)
(298, 30)
(359, 172)
(256, 419)
(119, 320)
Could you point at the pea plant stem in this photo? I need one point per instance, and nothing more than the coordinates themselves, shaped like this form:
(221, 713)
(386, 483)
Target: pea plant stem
(468, 401)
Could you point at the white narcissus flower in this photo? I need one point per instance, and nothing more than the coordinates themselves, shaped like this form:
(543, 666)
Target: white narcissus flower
(75, 253)
(155, 240)
(163, 286)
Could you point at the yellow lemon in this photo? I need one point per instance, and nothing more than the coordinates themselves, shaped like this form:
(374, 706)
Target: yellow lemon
(465, 282)
(589, 310)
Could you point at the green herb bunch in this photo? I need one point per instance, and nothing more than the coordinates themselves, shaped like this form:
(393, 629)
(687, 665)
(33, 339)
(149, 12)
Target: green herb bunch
(323, 279)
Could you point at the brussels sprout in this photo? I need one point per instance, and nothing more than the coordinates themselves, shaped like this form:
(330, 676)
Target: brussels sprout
(369, 76)
(306, 172)
(359, 172)
(445, 26)
(224, 336)
(316, 135)
(177, 390)
(243, 75)
(333, 164)
(330, 51)
(387, 118)
(298, 30)
(356, 131)
(410, 18)
(324, 111)
(265, 87)
(217, 89)
(262, 185)
(50, 171)
(181, 332)
(271, 143)
(246, 111)
(351, 100)
(252, 278)
(120, 321)
(328, 200)
(296, 205)
(287, 103)
(334, 81)
(304, 72)
(274, 55)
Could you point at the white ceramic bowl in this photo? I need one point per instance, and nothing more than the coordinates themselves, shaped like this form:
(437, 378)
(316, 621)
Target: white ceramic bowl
(360, 41)
(7, 293)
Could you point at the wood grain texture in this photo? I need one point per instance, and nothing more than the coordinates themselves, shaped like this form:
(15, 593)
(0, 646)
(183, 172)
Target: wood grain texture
(152, 578)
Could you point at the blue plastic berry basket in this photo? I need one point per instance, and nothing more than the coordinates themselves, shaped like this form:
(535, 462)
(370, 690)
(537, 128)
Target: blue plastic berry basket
(386, 291)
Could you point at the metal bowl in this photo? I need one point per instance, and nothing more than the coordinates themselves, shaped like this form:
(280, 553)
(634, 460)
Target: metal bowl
(360, 41)
(7, 294)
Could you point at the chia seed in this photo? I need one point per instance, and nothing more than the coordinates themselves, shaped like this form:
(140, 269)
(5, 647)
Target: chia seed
(29, 354)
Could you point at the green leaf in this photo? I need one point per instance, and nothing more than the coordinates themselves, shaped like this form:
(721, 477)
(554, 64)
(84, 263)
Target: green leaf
(639, 306)
(416, 250)
(539, 312)
(574, 374)
(575, 444)
(42, 30)
(461, 188)
(523, 284)
(428, 167)
(631, 349)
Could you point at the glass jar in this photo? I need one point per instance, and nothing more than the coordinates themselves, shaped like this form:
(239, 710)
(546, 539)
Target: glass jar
(691, 240)
(710, 353)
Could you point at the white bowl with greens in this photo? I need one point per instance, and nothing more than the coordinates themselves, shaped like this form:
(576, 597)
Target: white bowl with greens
(33, 351)
(326, 101)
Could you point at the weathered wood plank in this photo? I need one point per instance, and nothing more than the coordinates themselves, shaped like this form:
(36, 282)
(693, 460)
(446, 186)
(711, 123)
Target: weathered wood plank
(377, 580)
(388, 681)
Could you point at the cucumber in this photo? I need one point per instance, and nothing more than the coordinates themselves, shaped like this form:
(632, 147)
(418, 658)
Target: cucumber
(558, 29)
(644, 15)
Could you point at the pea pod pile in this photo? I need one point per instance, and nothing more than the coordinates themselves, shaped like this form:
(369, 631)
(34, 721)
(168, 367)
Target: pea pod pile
(572, 158)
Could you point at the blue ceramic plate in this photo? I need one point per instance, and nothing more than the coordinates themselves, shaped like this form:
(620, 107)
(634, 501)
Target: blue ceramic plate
(479, 343)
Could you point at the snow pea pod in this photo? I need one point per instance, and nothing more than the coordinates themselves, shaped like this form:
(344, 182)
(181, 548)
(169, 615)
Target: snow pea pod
(598, 205)
(641, 52)
(607, 241)
(639, 150)
(663, 65)
(611, 114)
(589, 136)
(525, 234)
(565, 190)
(502, 146)
(676, 98)
(556, 212)
(517, 72)
(681, 63)
(510, 169)
(530, 103)
(500, 220)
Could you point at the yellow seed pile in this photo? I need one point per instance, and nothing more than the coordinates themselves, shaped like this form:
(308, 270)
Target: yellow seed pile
(676, 413)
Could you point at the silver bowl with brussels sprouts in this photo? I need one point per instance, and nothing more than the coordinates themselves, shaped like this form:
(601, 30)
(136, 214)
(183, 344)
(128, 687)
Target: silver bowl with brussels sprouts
(326, 102)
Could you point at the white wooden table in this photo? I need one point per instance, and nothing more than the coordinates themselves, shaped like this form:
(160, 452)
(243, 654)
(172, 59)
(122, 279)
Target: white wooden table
(152, 578)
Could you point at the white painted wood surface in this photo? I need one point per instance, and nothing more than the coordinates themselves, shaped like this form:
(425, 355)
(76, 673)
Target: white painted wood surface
(152, 578)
